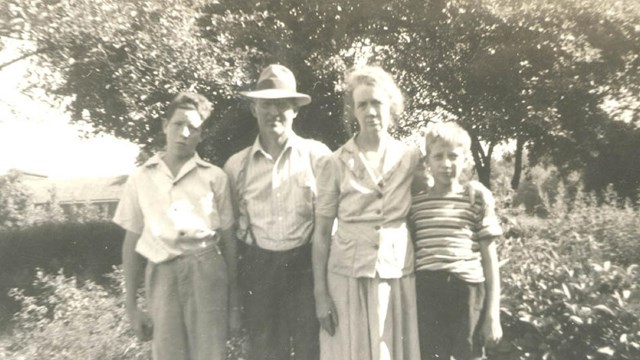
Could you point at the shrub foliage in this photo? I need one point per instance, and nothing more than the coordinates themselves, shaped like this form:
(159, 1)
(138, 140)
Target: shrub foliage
(570, 291)
(87, 250)
(570, 284)
(69, 320)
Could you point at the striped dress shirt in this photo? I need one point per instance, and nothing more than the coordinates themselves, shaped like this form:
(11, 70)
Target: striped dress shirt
(279, 194)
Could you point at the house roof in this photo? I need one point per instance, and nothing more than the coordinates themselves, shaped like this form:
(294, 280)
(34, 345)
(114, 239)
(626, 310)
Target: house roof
(78, 190)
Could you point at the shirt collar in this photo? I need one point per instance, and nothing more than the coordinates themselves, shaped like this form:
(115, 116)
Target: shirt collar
(155, 160)
(350, 146)
(293, 141)
(394, 154)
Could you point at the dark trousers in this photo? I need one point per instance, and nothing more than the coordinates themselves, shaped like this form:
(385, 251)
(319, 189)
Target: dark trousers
(279, 304)
(449, 316)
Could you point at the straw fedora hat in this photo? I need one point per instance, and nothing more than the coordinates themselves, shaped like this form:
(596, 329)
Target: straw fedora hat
(277, 82)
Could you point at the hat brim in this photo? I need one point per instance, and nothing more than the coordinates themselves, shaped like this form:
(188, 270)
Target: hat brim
(301, 99)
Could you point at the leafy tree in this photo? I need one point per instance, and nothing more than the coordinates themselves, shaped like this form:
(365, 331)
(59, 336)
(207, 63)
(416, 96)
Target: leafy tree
(121, 62)
(532, 72)
(17, 209)
(15, 201)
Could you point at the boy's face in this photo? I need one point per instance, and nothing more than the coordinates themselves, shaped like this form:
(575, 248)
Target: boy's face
(446, 162)
(183, 132)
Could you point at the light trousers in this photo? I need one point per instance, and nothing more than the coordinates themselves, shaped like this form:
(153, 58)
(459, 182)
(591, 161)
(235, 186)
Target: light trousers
(188, 299)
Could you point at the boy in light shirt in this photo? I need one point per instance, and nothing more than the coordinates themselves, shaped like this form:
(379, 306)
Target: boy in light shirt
(177, 213)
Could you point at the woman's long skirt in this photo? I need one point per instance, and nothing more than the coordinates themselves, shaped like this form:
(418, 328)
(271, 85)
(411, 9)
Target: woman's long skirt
(377, 319)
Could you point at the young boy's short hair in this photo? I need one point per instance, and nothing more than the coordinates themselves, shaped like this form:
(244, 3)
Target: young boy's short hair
(192, 101)
(449, 133)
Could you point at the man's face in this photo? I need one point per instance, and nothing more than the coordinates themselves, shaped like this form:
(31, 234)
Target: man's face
(274, 115)
(183, 132)
(446, 162)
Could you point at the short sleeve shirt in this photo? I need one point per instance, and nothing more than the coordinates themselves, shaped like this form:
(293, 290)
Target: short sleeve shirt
(371, 237)
(277, 194)
(448, 232)
(174, 215)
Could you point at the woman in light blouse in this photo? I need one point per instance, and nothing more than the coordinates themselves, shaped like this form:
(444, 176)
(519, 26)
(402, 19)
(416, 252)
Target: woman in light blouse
(364, 281)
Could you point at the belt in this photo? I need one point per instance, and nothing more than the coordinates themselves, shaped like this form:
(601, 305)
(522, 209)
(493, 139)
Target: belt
(205, 245)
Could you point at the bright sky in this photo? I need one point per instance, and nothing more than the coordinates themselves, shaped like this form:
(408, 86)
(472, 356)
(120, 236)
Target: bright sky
(35, 137)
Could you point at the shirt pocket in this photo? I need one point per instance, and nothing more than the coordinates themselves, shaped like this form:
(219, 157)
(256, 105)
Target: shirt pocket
(306, 191)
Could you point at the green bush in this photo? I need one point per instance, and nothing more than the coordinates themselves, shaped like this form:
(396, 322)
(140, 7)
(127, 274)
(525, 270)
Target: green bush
(612, 223)
(570, 291)
(85, 250)
(570, 282)
(69, 320)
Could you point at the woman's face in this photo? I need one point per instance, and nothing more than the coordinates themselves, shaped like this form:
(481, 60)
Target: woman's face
(372, 108)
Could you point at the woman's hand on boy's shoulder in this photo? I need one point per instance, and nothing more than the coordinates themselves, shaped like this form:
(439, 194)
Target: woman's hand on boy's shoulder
(477, 191)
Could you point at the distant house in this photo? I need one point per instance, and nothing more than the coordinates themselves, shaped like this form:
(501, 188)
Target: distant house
(102, 193)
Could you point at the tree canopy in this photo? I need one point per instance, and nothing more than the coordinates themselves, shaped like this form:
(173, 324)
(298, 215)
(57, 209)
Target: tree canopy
(558, 78)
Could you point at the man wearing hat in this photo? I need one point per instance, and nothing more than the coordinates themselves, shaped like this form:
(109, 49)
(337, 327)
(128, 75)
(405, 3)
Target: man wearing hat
(274, 187)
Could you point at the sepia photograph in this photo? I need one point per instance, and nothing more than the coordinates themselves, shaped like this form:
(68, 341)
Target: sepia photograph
(319, 179)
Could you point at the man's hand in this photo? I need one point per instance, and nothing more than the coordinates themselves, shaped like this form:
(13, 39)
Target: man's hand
(491, 332)
(326, 313)
(142, 324)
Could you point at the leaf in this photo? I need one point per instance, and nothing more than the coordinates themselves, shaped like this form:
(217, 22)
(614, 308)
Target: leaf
(605, 309)
(566, 291)
(576, 319)
(623, 339)
(607, 350)
(618, 297)
(596, 267)
(542, 285)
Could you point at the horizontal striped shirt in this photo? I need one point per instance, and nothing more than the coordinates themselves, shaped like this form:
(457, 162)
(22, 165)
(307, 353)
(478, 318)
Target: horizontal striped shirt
(447, 232)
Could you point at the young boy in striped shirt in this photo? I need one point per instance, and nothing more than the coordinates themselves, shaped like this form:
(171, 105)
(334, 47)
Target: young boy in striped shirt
(457, 277)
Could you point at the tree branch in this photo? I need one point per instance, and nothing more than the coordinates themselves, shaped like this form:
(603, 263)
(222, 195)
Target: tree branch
(24, 56)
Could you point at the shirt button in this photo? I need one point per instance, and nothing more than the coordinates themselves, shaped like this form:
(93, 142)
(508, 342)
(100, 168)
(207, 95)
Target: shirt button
(376, 246)
(379, 196)
(377, 227)
(378, 212)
